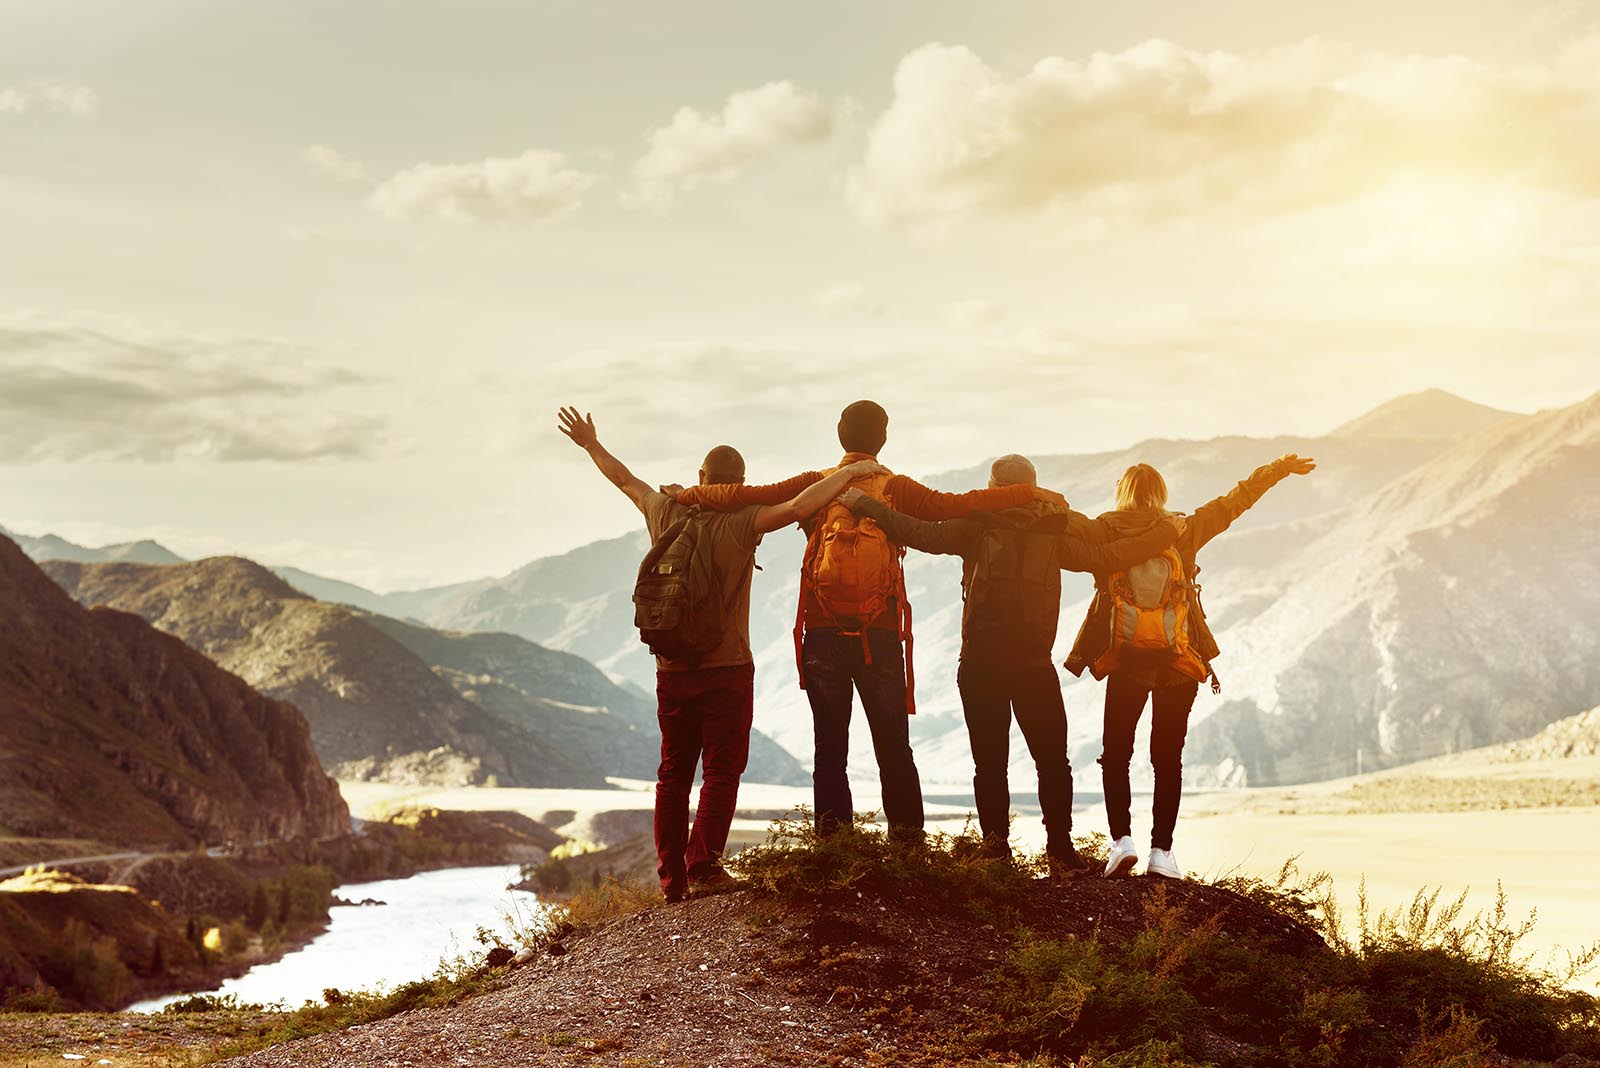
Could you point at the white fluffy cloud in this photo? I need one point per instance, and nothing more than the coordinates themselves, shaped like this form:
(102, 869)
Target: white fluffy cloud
(537, 186)
(65, 98)
(82, 393)
(331, 163)
(1160, 129)
(697, 149)
(850, 298)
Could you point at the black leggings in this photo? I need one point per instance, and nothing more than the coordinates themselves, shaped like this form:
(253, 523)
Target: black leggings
(1169, 725)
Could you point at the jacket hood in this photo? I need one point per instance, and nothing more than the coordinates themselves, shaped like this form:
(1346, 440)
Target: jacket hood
(1131, 524)
(1040, 515)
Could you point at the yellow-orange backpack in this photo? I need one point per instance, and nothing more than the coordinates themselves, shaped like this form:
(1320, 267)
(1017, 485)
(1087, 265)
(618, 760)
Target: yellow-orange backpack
(1150, 604)
(854, 571)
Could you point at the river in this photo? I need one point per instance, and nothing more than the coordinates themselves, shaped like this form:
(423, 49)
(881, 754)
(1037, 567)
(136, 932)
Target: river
(424, 918)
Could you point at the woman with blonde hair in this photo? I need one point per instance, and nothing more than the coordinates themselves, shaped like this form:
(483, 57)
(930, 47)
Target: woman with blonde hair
(1146, 635)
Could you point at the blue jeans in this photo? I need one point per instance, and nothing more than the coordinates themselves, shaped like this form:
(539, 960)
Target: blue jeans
(835, 665)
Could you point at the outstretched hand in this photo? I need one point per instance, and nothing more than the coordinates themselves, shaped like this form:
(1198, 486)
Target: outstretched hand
(1296, 465)
(579, 428)
(851, 497)
(866, 468)
(1049, 496)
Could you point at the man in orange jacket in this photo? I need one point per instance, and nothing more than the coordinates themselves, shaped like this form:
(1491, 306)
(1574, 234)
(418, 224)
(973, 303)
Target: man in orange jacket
(838, 657)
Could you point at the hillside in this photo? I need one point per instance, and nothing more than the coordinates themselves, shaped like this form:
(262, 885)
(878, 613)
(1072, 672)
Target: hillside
(1433, 413)
(388, 700)
(1451, 610)
(855, 953)
(115, 732)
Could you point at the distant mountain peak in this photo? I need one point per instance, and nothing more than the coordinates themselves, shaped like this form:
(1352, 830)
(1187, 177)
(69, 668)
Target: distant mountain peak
(1431, 413)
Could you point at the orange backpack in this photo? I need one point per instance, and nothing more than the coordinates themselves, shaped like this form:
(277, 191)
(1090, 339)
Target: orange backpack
(854, 570)
(1150, 616)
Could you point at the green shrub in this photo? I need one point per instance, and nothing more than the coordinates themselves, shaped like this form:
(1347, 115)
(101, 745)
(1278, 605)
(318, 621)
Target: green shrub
(84, 968)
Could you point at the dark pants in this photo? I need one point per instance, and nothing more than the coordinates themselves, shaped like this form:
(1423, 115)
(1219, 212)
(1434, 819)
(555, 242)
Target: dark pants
(991, 693)
(835, 665)
(702, 714)
(1169, 725)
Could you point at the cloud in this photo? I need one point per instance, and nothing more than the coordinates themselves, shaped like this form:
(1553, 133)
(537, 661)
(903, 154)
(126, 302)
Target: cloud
(330, 163)
(971, 314)
(63, 98)
(850, 298)
(1160, 130)
(696, 149)
(74, 393)
(537, 186)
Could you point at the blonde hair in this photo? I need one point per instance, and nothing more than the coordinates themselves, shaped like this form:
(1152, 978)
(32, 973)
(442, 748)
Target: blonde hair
(1141, 488)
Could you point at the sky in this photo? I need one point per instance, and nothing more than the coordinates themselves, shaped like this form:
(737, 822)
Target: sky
(307, 281)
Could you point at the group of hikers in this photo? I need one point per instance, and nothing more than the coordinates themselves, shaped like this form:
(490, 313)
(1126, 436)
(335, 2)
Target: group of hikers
(1145, 634)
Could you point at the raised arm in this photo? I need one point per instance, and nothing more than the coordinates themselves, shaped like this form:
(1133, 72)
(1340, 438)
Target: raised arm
(582, 432)
(1214, 517)
(1105, 557)
(804, 504)
(945, 537)
(918, 501)
(730, 497)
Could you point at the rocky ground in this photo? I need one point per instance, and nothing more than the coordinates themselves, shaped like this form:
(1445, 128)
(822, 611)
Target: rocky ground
(735, 980)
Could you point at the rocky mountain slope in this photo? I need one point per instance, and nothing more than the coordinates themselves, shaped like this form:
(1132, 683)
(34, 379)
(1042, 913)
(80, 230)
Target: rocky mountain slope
(1321, 597)
(389, 700)
(115, 732)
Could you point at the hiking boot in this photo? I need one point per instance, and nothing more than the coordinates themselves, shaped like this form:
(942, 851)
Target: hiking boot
(1066, 863)
(1164, 864)
(995, 848)
(715, 881)
(673, 894)
(1124, 855)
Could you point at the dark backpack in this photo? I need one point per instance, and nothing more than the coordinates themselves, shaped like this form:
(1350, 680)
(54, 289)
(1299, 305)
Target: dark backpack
(678, 596)
(1013, 594)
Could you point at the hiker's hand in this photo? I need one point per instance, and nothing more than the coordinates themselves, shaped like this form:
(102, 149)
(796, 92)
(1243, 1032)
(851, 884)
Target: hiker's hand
(1049, 496)
(1295, 465)
(579, 428)
(850, 497)
(1178, 523)
(865, 468)
(671, 489)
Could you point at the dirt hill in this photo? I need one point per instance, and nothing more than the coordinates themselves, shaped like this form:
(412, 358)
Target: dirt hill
(115, 732)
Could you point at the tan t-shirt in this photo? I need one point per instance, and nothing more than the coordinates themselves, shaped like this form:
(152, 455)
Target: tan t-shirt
(733, 552)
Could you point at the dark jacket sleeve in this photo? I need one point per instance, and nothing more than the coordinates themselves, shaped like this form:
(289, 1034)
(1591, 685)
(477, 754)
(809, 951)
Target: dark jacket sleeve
(949, 537)
(912, 497)
(1091, 531)
(1213, 518)
(1106, 557)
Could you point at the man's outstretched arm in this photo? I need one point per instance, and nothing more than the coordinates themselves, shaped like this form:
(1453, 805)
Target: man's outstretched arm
(918, 501)
(582, 432)
(1106, 557)
(730, 497)
(809, 500)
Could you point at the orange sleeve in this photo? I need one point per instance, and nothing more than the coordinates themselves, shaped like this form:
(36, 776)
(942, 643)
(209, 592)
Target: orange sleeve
(914, 499)
(731, 498)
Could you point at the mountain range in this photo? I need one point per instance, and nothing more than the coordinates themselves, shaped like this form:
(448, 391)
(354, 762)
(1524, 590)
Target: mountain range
(391, 700)
(1426, 590)
(114, 732)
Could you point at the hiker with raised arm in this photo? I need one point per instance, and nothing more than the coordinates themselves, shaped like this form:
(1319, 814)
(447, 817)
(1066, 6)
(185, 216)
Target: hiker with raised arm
(1011, 564)
(692, 607)
(853, 622)
(1146, 635)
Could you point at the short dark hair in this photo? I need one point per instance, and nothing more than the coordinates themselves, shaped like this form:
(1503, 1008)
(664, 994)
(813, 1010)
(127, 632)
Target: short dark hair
(722, 465)
(864, 427)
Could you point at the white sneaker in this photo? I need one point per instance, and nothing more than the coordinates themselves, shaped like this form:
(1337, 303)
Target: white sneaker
(1124, 855)
(1164, 864)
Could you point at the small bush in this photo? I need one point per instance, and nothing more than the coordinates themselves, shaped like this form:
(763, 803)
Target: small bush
(36, 998)
(84, 968)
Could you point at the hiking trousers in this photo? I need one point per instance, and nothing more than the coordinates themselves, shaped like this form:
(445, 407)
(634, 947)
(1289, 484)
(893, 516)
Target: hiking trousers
(836, 666)
(992, 692)
(705, 715)
(1169, 726)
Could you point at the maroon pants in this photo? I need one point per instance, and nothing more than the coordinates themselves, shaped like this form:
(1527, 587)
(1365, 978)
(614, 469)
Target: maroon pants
(704, 715)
